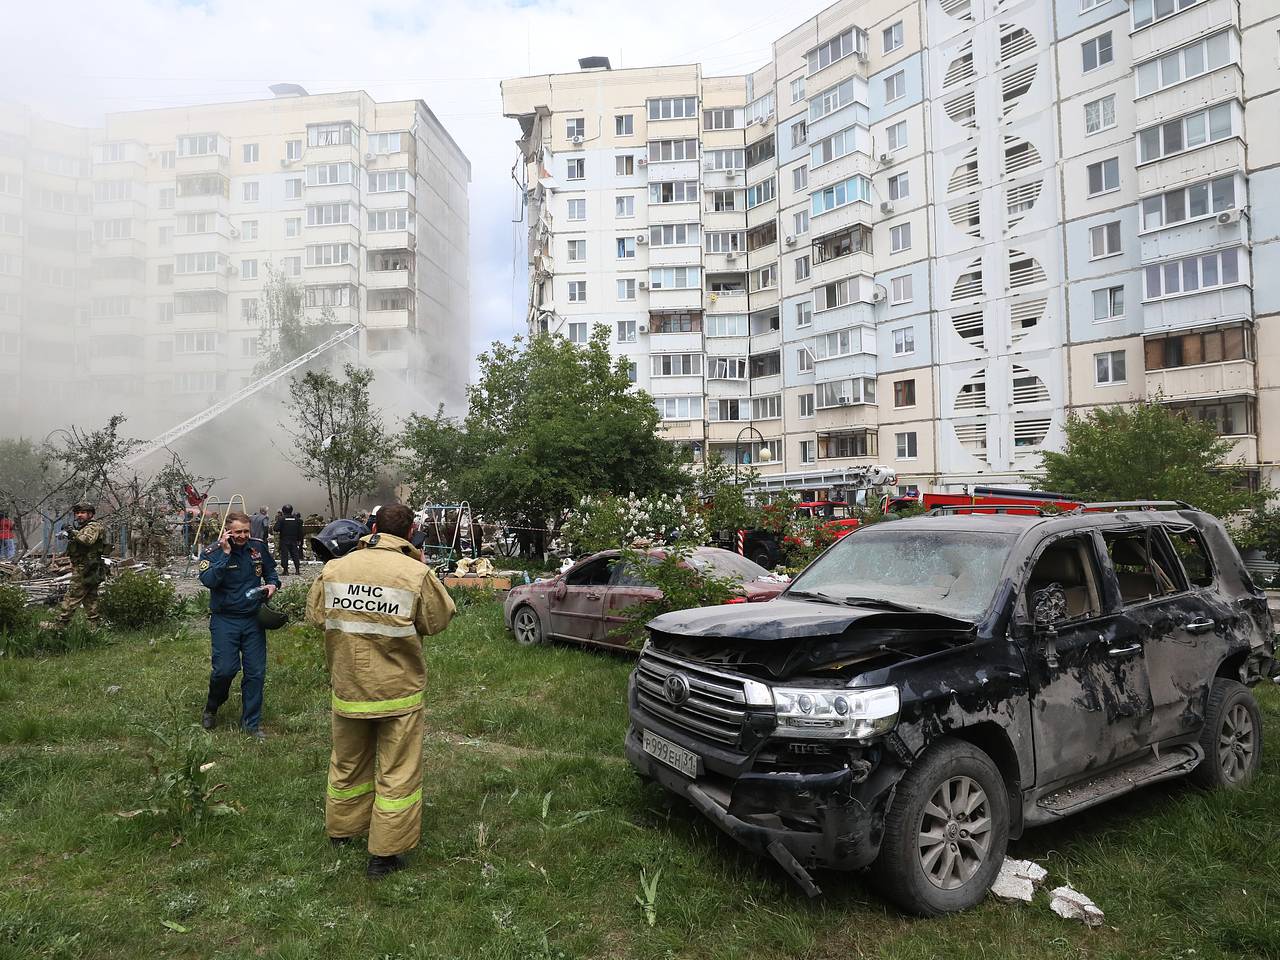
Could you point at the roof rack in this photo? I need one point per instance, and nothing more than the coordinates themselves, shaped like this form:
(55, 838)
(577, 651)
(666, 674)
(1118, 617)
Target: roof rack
(995, 508)
(1137, 505)
(985, 491)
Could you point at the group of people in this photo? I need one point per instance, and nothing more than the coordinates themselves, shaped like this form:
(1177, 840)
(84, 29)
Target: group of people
(288, 528)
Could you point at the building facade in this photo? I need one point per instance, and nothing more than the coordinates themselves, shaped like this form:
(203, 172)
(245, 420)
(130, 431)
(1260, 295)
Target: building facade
(133, 276)
(926, 232)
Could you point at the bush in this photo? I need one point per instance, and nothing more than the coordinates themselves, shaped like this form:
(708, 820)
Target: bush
(138, 598)
(14, 614)
(29, 640)
(195, 605)
(683, 587)
(291, 600)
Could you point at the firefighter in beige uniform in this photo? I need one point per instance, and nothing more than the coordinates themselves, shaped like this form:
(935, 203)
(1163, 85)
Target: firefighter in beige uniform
(374, 603)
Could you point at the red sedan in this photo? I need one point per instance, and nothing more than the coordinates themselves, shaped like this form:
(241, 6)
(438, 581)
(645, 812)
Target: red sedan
(587, 603)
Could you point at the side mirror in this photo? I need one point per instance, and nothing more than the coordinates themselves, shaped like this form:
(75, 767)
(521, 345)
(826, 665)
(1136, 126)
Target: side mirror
(1049, 608)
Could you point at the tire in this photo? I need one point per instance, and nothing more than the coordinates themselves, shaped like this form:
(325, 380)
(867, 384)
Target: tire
(952, 788)
(1231, 737)
(527, 627)
(760, 555)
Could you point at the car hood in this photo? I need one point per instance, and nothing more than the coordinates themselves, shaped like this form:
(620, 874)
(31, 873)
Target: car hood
(783, 619)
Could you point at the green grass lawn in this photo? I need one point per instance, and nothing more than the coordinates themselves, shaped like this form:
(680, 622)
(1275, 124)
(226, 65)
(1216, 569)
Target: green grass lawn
(535, 832)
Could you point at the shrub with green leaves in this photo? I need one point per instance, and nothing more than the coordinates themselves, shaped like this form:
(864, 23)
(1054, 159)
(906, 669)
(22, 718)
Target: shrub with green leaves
(13, 608)
(137, 598)
(291, 600)
(683, 587)
(608, 522)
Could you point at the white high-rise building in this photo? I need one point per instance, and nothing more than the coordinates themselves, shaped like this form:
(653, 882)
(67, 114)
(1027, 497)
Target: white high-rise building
(926, 232)
(133, 275)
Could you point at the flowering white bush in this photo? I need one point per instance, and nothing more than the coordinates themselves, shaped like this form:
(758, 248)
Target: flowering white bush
(609, 522)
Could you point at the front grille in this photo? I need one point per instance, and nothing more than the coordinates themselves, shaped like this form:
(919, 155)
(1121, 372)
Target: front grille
(718, 702)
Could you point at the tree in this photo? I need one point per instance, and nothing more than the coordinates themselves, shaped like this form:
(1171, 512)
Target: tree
(338, 438)
(547, 423)
(1147, 452)
(285, 332)
(27, 473)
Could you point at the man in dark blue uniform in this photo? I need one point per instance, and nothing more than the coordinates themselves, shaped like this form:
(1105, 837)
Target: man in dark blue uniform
(241, 575)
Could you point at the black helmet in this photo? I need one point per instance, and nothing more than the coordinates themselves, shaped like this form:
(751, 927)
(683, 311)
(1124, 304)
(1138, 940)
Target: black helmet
(270, 618)
(287, 509)
(337, 539)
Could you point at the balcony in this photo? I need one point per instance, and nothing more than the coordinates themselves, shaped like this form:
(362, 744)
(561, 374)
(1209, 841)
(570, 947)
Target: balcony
(342, 315)
(1190, 166)
(662, 170)
(685, 256)
(765, 341)
(1175, 31)
(330, 274)
(723, 179)
(388, 279)
(673, 213)
(864, 416)
(682, 429)
(388, 319)
(336, 153)
(111, 249)
(1225, 83)
(202, 203)
(212, 280)
(841, 267)
(389, 239)
(727, 301)
(1203, 381)
(833, 221)
(675, 299)
(762, 213)
(202, 163)
(332, 193)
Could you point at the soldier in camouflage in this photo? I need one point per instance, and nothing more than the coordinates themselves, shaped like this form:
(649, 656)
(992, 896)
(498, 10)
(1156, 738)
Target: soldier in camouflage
(86, 545)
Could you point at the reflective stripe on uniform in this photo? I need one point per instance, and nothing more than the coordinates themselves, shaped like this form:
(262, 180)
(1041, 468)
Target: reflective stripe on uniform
(391, 806)
(376, 706)
(367, 626)
(359, 790)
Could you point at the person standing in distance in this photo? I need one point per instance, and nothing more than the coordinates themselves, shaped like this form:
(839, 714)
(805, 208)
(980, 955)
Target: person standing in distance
(241, 576)
(289, 526)
(259, 524)
(86, 545)
(375, 603)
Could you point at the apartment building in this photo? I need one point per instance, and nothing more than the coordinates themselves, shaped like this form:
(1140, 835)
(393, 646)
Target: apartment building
(176, 218)
(926, 231)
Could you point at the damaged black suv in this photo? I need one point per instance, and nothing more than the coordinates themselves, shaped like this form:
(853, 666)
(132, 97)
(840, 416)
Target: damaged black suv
(929, 687)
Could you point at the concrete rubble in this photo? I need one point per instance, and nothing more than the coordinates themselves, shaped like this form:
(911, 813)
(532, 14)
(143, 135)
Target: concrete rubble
(1018, 880)
(1074, 905)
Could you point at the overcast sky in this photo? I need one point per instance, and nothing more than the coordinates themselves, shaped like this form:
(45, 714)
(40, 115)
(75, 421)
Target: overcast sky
(75, 61)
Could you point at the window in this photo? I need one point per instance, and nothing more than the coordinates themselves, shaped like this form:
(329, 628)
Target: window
(1191, 274)
(797, 89)
(804, 313)
(249, 153)
(900, 238)
(624, 207)
(331, 134)
(673, 108)
(764, 278)
(167, 195)
(799, 177)
(381, 221)
(892, 36)
(832, 295)
(1108, 304)
(248, 269)
(727, 368)
(578, 331)
(323, 214)
(293, 226)
(805, 401)
(799, 133)
(198, 263)
(727, 159)
(723, 119)
(1104, 240)
(837, 48)
(900, 289)
(906, 445)
(676, 365)
(249, 229)
(164, 274)
(670, 150)
(728, 200)
(674, 235)
(730, 241)
(577, 291)
(802, 268)
(766, 408)
(896, 136)
(762, 192)
(576, 169)
(577, 250)
(1108, 367)
(624, 125)
(760, 151)
(1146, 12)
(1189, 203)
(760, 109)
(899, 187)
(1183, 64)
(1191, 349)
(293, 188)
(292, 266)
(904, 393)
(719, 411)
(624, 165)
(1104, 176)
(808, 448)
(327, 254)
(194, 145)
(575, 127)
(1100, 115)
(293, 150)
(675, 191)
(834, 147)
(249, 311)
(251, 191)
(626, 330)
(320, 174)
(1097, 52)
(840, 343)
(168, 159)
(577, 210)
(679, 408)
(627, 289)
(1087, 5)
(626, 248)
(800, 221)
(895, 86)
(904, 341)
(1195, 559)
(388, 181)
(727, 326)
(765, 365)
(853, 190)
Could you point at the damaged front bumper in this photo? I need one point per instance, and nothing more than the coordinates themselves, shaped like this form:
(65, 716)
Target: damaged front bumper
(832, 819)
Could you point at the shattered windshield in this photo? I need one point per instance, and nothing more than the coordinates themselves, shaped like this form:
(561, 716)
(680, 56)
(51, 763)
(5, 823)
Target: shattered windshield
(953, 572)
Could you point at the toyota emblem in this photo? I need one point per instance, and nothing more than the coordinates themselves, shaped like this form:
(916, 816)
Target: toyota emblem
(676, 689)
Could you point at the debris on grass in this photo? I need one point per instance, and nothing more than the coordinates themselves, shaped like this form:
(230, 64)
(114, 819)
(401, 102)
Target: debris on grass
(1018, 880)
(1074, 905)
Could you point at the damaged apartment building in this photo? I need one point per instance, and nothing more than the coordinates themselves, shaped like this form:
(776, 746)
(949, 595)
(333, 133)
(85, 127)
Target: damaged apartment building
(924, 233)
(134, 256)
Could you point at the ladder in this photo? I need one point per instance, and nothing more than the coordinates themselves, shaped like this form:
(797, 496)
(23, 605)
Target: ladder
(145, 450)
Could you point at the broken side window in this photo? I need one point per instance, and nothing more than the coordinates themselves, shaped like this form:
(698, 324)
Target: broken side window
(1144, 564)
(1190, 549)
(1069, 563)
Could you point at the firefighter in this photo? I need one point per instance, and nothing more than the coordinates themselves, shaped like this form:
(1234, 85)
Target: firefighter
(86, 545)
(375, 603)
(241, 576)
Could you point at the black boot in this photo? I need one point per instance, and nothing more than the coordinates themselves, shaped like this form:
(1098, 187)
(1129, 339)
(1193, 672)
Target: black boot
(379, 867)
(209, 719)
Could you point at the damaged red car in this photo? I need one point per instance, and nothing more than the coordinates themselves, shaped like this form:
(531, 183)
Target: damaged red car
(587, 603)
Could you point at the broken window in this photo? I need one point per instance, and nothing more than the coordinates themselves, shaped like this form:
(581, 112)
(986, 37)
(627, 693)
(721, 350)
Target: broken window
(1144, 565)
(1068, 563)
(1189, 546)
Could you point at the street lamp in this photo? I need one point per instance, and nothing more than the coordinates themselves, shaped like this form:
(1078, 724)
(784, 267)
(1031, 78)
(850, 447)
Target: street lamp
(765, 454)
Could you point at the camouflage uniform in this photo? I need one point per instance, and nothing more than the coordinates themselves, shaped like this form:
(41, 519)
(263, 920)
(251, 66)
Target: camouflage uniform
(157, 539)
(85, 548)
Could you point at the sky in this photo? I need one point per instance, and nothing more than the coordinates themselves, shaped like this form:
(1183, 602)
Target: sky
(76, 61)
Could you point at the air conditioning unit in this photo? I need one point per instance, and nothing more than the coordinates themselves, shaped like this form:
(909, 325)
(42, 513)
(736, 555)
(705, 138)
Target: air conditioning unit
(642, 161)
(642, 328)
(641, 238)
(643, 284)
(576, 138)
(731, 174)
(886, 206)
(843, 401)
(877, 295)
(235, 232)
(790, 241)
(861, 55)
(368, 157)
(731, 255)
(1227, 217)
(885, 158)
(232, 269)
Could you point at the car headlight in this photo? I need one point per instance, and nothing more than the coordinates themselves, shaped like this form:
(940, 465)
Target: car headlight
(835, 714)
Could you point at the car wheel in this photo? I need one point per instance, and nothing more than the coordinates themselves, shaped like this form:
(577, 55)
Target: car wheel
(527, 627)
(945, 832)
(1231, 737)
(760, 556)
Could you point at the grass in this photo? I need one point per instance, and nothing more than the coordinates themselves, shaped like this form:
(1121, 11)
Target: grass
(536, 834)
